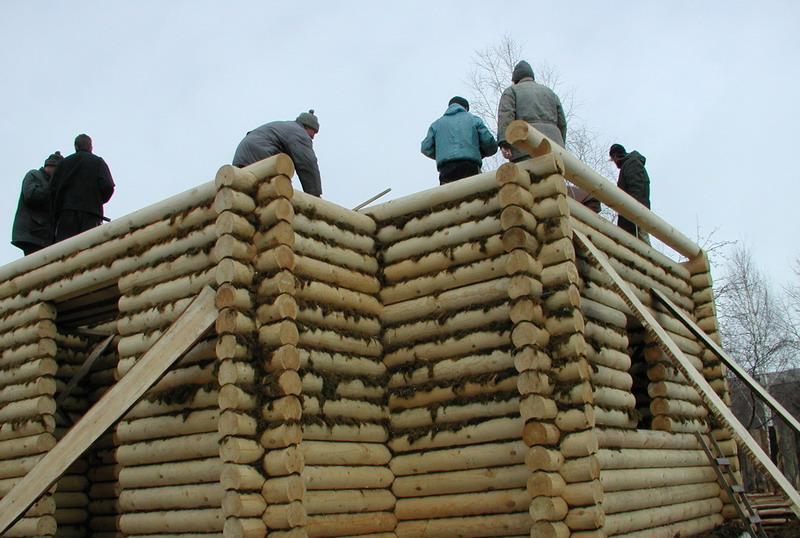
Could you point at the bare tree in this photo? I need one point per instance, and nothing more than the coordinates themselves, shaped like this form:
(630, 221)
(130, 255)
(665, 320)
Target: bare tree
(490, 74)
(752, 325)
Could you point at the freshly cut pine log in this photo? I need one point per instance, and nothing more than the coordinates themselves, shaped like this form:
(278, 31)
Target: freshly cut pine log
(248, 178)
(152, 318)
(42, 386)
(187, 447)
(351, 259)
(170, 473)
(236, 373)
(681, 408)
(580, 469)
(348, 501)
(243, 505)
(681, 425)
(280, 257)
(625, 501)
(172, 497)
(35, 312)
(636, 458)
(147, 276)
(471, 365)
(283, 489)
(283, 409)
(244, 527)
(280, 333)
(442, 394)
(26, 446)
(307, 204)
(228, 246)
(240, 477)
(173, 521)
(520, 261)
(628, 479)
(585, 518)
(467, 344)
(523, 286)
(342, 364)
(345, 238)
(337, 342)
(344, 477)
(542, 483)
(518, 238)
(228, 199)
(230, 321)
(514, 524)
(286, 357)
(453, 459)
(514, 216)
(33, 526)
(548, 509)
(661, 515)
(463, 320)
(365, 524)
(277, 209)
(319, 292)
(530, 358)
(467, 481)
(610, 377)
(339, 320)
(344, 453)
(28, 334)
(530, 334)
(579, 444)
(606, 336)
(487, 292)
(14, 467)
(167, 426)
(147, 408)
(438, 261)
(343, 407)
(437, 220)
(367, 433)
(31, 407)
(526, 309)
(560, 274)
(275, 437)
(414, 418)
(168, 292)
(283, 462)
(455, 234)
(689, 527)
(467, 504)
(353, 388)
(25, 352)
(610, 358)
(491, 430)
(470, 273)
(283, 306)
(277, 187)
(583, 493)
(278, 516)
(648, 439)
(326, 272)
(575, 419)
(611, 397)
(615, 418)
(231, 223)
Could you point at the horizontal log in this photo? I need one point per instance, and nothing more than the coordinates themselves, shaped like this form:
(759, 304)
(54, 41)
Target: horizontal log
(342, 364)
(579, 444)
(167, 426)
(610, 397)
(170, 473)
(414, 418)
(201, 445)
(283, 489)
(33, 526)
(202, 399)
(173, 521)
(662, 515)
(467, 504)
(490, 430)
(448, 369)
(362, 411)
(244, 505)
(681, 425)
(344, 453)
(367, 433)
(639, 458)
(344, 477)
(31, 407)
(26, 446)
(169, 291)
(248, 178)
(453, 459)
(625, 501)
(345, 238)
(272, 438)
(238, 477)
(279, 186)
(366, 524)
(42, 386)
(468, 344)
(14, 467)
(326, 272)
(463, 320)
(46, 348)
(339, 320)
(673, 407)
(183, 496)
(614, 418)
(615, 439)
(442, 394)
(342, 298)
(348, 501)
(514, 524)
(467, 481)
(285, 461)
(520, 261)
(628, 479)
(24, 316)
(28, 334)
(337, 342)
(343, 257)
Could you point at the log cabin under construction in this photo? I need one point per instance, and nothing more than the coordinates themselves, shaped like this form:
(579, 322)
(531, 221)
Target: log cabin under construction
(244, 359)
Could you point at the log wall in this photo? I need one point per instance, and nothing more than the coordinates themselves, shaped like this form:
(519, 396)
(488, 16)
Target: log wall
(448, 362)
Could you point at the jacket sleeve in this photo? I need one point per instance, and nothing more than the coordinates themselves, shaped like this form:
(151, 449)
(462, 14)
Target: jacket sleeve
(105, 183)
(301, 151)
(561, 121)
(634, 181)
(428, 146)
(35, 189)
(506, 113)
(487, 142)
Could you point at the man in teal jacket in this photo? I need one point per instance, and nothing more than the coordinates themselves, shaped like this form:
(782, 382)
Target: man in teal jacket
(458, 141)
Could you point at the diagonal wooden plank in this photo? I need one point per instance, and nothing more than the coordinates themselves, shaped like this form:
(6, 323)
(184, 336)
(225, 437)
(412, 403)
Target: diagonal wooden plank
(695, 378)
(83, 370)
(177, 340)
(728, 361)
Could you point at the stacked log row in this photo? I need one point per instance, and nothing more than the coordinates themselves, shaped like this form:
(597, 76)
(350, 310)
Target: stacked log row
(343, 459)
(452, 387)
(564, 482)
(27, 406)
(652, 481)
(167, 447)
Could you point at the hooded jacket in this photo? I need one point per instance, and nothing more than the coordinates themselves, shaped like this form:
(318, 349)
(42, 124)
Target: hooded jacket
(32, 222)
(287, 137)
(633, 177)
(81, 182)
(535, 104)
(458, 135)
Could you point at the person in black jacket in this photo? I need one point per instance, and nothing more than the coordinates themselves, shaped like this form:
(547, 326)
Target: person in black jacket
(81, 184)
(33, 223)
(293, 138)
(634, 180)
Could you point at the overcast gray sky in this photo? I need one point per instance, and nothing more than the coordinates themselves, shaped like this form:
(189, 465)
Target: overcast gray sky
(707, 91)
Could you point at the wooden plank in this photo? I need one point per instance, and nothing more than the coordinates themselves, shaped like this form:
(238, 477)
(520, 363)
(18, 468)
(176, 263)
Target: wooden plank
(695, 378)
(177, 340)
(83, 370)
(728, 361)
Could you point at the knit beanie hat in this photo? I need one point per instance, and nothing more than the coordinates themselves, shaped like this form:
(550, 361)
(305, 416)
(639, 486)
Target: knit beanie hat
(523, 69)
(308, 119)
(54, 159)
(617, 150)
(459, 101)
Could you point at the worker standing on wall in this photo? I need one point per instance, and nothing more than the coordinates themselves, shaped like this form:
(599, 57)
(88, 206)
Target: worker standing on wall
(294, 138)
(33, 222)
(533, 103)
(633, 179)
(458, 142)
(81, 184)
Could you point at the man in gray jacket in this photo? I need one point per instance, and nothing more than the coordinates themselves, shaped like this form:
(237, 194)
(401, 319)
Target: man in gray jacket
(33, 222)
(531, 102)
(293, 138)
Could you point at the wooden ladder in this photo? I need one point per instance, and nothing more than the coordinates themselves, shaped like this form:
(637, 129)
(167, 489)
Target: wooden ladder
(727, 479)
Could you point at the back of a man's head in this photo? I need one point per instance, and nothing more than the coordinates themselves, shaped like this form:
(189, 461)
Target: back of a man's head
(83, 142)
(459, 101)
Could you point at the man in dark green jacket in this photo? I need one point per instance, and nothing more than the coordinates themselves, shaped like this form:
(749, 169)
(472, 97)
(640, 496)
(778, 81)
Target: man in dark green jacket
(33, 224)
(634, 180)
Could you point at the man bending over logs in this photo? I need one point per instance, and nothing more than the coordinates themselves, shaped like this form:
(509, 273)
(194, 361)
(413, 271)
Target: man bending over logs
(293, 138)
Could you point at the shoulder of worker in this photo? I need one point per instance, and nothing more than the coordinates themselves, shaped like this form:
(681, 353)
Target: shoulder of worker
(635, 157)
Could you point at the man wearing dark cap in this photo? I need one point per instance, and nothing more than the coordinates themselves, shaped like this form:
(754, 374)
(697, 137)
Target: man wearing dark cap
(81, 184)
(33, 223)
(634, 180)
(458, 141)
(293, 138)
(533, 103)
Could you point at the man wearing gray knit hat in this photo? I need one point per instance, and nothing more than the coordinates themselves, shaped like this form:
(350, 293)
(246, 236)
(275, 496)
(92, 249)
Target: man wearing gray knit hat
(33, 222)
(293, 138)
(533, 103)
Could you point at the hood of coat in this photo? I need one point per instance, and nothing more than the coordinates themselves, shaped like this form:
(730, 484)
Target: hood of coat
(633, 156)
(455, 108)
